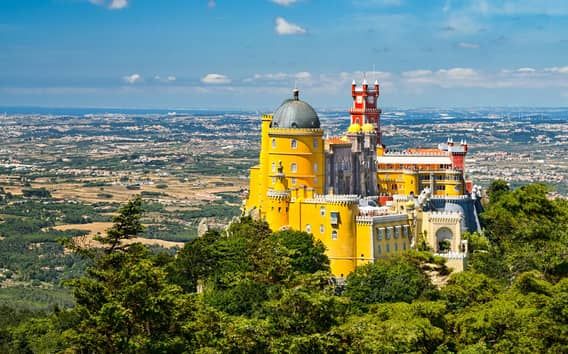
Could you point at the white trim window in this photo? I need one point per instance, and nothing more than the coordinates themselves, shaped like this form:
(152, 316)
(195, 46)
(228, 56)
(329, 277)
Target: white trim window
(334, 235)
(294, 144)
(294, 167)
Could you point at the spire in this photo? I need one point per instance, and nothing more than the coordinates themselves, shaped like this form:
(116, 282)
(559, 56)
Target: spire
(296, 94)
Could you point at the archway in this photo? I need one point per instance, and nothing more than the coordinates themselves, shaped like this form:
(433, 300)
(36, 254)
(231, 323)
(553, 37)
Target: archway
(444, 240)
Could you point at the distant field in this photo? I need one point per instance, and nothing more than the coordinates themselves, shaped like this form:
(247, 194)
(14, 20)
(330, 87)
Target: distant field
(99, 228)
(170, 191)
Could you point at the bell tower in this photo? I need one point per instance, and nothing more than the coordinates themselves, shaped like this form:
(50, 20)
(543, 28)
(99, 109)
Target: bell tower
(365, 106)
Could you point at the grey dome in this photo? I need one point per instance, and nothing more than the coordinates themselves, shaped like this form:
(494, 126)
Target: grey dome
(295, 113)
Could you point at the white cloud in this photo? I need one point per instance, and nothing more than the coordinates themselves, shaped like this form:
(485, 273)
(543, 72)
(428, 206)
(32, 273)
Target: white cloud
(171, 78)
(118, 4)
(458, 73)
(470, 78)
(556, 69)
(280, 76)
(215, 79)
(111, 4)
(468, 45)
(525, 70)
(132, 79)
(284, 27)
(284, 2)
(417, 73)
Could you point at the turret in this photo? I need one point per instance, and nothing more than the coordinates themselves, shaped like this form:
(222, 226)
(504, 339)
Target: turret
(353, 86)
(365, 106)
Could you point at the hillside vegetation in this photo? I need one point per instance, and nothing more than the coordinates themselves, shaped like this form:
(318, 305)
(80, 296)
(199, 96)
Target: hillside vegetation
(249, 290)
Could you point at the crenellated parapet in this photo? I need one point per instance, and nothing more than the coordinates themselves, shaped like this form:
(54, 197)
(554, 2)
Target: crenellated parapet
(381, 219)
(295, 131)
(445, 217)
(342, 199)
(280, 195)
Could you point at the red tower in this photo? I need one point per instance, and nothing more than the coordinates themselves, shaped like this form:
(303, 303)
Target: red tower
(365, 108)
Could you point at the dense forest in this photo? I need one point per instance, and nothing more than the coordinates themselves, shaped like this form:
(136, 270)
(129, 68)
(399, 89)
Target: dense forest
(247, 289)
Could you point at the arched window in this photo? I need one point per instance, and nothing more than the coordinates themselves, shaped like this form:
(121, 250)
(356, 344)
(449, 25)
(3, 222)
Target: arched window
(322, 211)
(293, 143)
(316, 142)
(294, 167)
(322, 229)
(309, 228)
(273, 167)
(315, 167)
(334, 235)
(293, 181)
(273, 143)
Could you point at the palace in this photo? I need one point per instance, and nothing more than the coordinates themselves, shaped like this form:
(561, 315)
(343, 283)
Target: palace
(361, 200)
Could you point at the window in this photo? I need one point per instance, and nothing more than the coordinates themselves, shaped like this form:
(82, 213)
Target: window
(379, 250)
(316, 142)
(273, 143)
(322, 229)
(315, 167)
(380, 233)
(294, 143)
(309, 228)
(389, 233)
(404, 246)
(293, 181)
(388, 248)
(334, 217)
(396, 247)
(397, 231)
(322, 211)
(294, 167)
(273, 167)
(405, 231)
(334, 235)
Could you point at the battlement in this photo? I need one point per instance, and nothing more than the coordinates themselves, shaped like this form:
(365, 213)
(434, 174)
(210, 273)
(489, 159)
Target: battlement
(295, 131)
(381, 219)
(452, 197)
(445, 216)
(415, 153)
(278, 194)
(334, 199)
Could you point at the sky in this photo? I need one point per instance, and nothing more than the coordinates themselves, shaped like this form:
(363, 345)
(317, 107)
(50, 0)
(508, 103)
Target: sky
(249, 54)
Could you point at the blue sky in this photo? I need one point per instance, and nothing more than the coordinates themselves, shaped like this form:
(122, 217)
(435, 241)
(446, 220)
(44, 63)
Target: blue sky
(249, 53)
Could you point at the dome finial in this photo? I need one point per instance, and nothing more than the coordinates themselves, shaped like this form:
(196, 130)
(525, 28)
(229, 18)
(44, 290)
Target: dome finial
(296, 93)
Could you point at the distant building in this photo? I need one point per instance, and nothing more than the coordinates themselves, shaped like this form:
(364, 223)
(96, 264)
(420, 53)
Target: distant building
(361, 200)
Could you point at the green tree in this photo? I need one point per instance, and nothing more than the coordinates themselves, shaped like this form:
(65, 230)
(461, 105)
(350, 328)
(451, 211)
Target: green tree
(468, 288)
(496, 189)
(387, 280)
(126, 225)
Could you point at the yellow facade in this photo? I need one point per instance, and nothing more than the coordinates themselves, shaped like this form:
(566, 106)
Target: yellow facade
(407, 181)
(286, 190)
